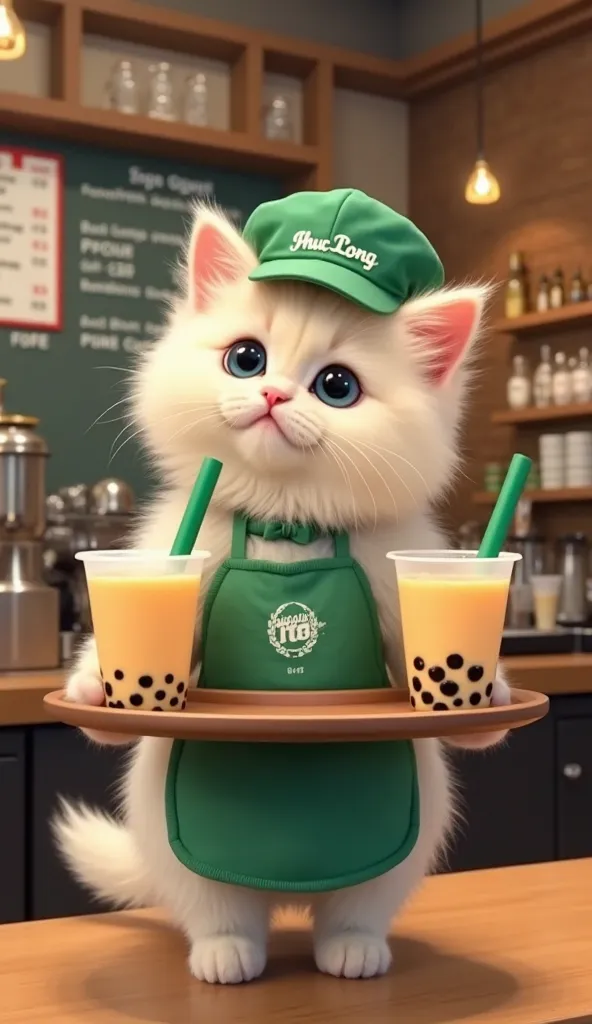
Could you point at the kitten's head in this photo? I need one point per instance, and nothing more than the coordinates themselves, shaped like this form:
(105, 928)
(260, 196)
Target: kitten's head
(319, 410)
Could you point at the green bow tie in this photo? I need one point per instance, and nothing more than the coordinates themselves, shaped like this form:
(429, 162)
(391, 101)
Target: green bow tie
(296, 532)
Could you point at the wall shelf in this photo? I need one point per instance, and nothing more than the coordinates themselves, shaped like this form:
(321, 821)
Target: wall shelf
(547, 414)
(548, 497)
(61, 119)
(572, 316)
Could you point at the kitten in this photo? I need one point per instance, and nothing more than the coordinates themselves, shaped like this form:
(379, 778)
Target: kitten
(372, 469)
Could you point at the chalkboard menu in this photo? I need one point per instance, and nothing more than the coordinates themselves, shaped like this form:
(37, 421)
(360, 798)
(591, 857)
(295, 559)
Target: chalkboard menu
(124, 221)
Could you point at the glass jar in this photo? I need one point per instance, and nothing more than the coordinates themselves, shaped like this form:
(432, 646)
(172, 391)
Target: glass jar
(195, 100)
(161, 100)
(121, 92)
(278, 120)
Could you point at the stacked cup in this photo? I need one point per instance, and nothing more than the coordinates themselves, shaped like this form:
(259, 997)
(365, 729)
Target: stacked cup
(552, 460)
(578, 458)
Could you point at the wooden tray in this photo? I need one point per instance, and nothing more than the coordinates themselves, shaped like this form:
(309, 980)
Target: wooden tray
(290, 717)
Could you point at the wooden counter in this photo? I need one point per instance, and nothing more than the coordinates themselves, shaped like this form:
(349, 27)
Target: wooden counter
(21, 694)
(510, 946)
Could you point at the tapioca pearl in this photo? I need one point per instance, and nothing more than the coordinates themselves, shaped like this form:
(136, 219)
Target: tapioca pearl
(174, 701)
(180, 687)
(449, 688)
(455, 661)
(412, 699)
(427, 697)
(119, 704)
(416, 683)
(183, 705)
(118, 674)
(159, 695)
(169, 678)
(475, 673)
(145, 681)
(458, 702)
(437, 674)
(489, 689)
(157, 708)
(108, 689)
(136, 699)
(440, 706)
(112, 703)
(419, 664)
(475, 698)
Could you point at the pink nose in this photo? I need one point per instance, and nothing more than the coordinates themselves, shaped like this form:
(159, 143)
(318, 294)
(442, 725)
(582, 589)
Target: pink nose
(273, 396)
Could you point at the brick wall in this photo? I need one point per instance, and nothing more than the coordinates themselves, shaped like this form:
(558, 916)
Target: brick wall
(539, 141)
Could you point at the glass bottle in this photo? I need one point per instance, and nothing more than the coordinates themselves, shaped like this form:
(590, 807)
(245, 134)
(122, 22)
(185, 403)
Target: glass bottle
(557, 293)
(542, 299)
(581, 377)
(278, 121)
(122, 91)
(161, 101)
(518, 389)
(542, 381)
(562, 383)
(195, 100)
(577, 291)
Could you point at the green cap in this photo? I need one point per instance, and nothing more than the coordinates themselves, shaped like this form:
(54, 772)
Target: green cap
(345, 241)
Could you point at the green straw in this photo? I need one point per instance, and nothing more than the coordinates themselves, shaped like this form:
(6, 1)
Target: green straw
(197, 506)
(505, 507)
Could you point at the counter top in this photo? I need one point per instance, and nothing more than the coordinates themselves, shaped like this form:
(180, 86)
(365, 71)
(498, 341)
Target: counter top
(21, 694)
(509, 946)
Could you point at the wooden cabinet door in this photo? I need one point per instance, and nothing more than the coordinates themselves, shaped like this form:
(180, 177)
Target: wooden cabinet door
(13, 810)
(574, 769)
(507, 801)
(65, 764)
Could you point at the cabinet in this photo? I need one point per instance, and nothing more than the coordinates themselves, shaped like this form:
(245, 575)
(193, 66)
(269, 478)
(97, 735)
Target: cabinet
(13, 818)
(64, 763)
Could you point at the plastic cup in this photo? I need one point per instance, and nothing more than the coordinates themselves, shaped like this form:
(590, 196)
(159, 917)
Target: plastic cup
(453, 606)
(545, 592)
(144, 607)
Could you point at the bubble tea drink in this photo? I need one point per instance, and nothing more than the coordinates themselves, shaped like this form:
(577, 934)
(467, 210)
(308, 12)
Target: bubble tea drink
(453, 606)
(144, 607)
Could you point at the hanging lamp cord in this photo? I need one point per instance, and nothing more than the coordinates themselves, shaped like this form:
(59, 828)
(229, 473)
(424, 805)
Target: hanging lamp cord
(479, 76)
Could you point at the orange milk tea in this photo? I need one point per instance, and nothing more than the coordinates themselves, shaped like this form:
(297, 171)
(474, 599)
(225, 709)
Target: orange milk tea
(452, 632)
(144, 628)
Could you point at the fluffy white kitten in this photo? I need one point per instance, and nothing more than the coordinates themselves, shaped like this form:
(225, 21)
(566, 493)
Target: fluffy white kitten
(372, 469)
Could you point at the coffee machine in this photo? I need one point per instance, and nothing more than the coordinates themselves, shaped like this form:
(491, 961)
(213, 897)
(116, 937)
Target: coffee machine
(29, 620)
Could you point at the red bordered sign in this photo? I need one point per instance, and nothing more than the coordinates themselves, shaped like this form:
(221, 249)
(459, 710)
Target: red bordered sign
(31, 232)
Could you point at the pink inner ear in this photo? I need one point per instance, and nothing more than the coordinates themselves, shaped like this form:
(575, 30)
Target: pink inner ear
(211, 262)
(448, 335)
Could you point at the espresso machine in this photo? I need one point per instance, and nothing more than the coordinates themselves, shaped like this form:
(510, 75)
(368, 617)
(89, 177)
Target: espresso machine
(29, 619)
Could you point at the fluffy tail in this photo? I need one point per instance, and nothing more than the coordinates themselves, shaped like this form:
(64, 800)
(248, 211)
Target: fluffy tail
(101, 854)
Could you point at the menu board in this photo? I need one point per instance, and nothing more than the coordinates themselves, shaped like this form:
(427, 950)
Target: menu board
(31, 189)
(124, 221)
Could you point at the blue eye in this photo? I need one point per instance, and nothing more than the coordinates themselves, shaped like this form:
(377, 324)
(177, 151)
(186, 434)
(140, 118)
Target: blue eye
(245, 358)
(337, 386)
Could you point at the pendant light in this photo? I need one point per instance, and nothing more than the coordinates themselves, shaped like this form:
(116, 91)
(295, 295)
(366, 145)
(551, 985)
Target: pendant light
(13, 42)
(482, 186)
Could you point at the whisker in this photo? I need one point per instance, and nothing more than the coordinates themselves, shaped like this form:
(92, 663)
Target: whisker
(371, 448)
(380, 476)
(339, 463)
(362, 478)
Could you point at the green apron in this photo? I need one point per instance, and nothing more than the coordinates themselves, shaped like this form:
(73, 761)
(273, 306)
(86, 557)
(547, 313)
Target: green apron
(292, 817)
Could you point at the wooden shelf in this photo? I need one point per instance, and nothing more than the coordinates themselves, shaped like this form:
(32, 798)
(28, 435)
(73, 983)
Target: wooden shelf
(58, 118)
(547, 414)
(577, 314)
(549, 497)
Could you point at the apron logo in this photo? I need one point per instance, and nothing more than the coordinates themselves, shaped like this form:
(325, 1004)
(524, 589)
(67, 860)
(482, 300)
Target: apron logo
(293, 629)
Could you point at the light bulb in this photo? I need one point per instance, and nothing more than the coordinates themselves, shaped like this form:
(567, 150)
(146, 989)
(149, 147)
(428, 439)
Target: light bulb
(482, 186)
(13, 42)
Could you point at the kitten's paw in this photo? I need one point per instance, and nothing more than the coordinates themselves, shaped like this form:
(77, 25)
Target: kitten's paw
(227, 959)
(353, 955)
(85, 686)
(500, 696)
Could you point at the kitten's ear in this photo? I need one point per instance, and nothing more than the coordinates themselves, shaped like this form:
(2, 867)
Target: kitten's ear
(217, 255)
(443, 327)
